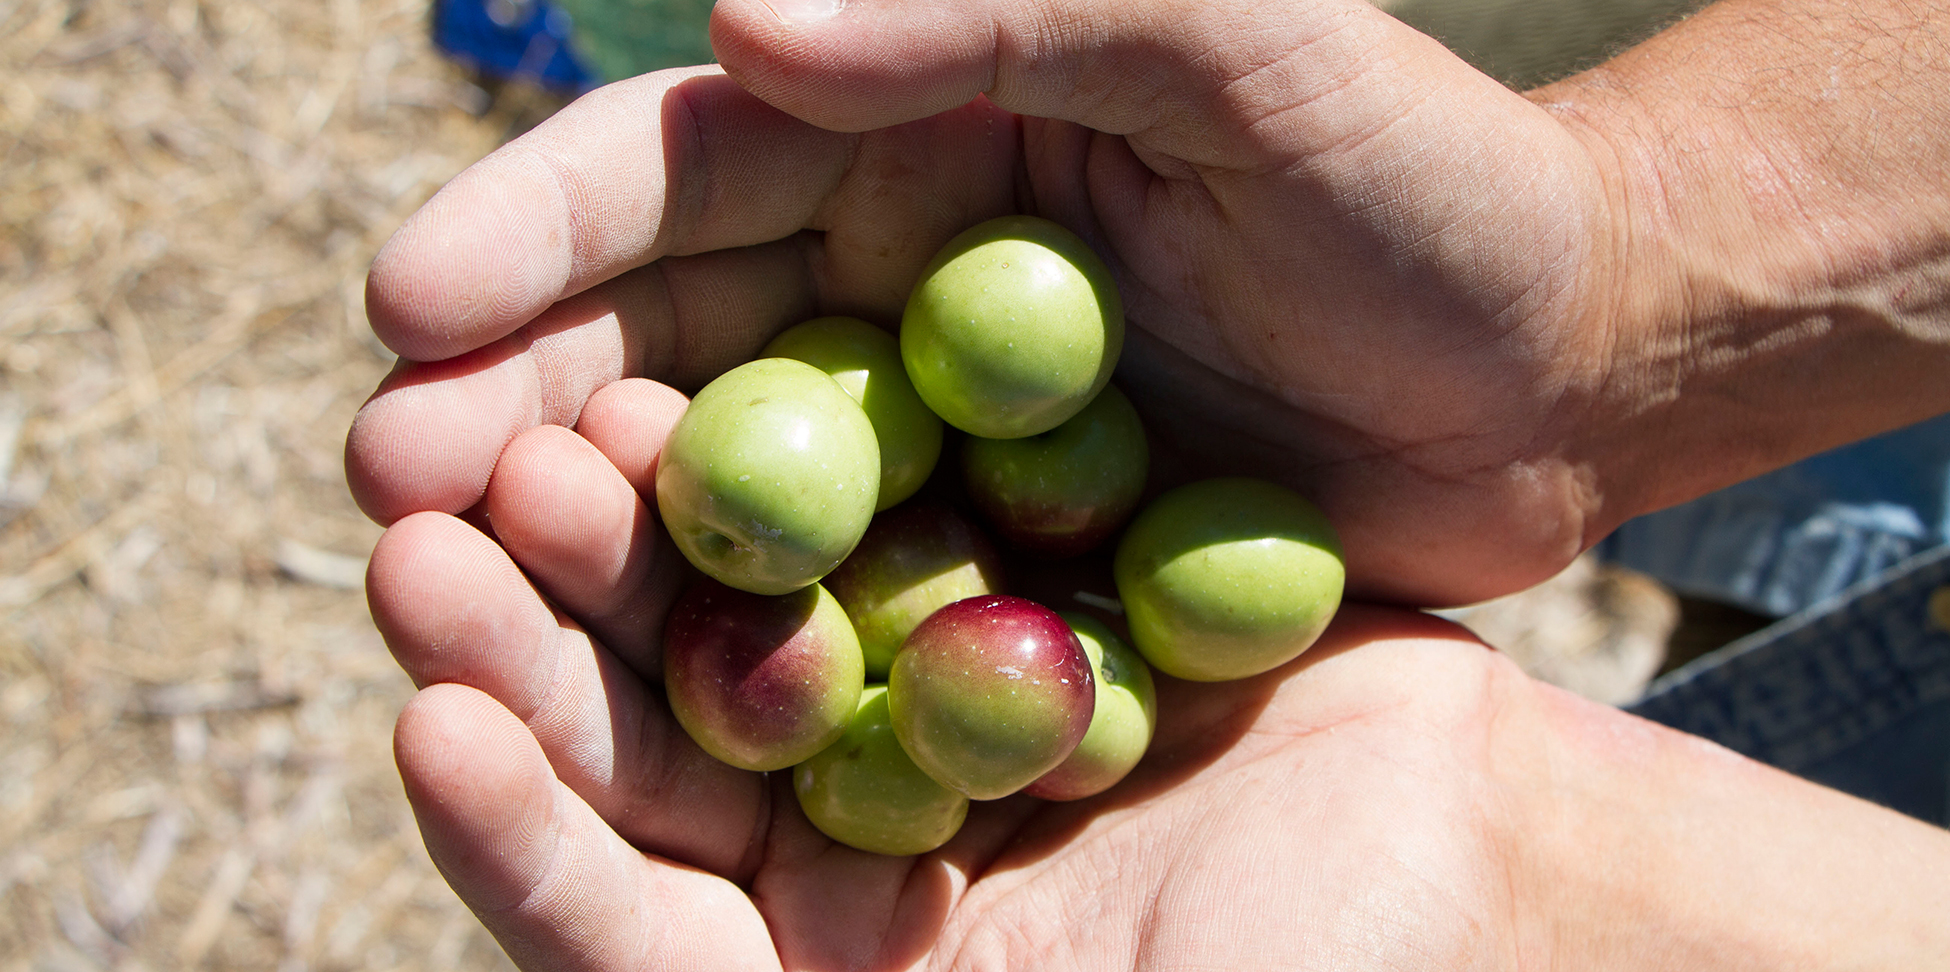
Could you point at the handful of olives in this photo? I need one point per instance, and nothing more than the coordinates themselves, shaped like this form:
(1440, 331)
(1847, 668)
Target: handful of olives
(912, 680)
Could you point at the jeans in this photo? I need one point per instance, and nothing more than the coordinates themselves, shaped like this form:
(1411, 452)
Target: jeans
(1853, 693)
(1852, 688)
(1781, 543)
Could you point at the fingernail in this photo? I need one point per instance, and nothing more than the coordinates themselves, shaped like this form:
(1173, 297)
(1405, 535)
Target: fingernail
(804, 11)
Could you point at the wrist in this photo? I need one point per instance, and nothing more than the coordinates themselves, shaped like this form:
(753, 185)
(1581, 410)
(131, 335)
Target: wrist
(1777, 280)
(1640, 847)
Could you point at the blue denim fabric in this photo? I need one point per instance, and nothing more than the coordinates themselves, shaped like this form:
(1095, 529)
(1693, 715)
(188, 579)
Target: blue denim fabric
(1853, 693)
(1785, 541)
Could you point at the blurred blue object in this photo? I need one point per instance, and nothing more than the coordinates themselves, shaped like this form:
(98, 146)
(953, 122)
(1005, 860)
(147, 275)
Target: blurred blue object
(1783, 542)
(527, 40)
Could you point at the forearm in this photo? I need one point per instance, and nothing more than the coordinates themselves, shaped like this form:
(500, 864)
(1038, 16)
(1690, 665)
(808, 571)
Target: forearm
(1650, 849)
(1776, 170)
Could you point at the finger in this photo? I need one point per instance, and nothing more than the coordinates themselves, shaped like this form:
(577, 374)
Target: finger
(429, 437)
(583, 196)
(581, 533)
(1184, 74)
(628, 421)
(679, 162)
(1247, 170)
(555, 885)
(454, 608)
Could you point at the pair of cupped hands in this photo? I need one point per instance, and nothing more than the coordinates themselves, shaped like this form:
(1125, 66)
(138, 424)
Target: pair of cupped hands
(1352, 264)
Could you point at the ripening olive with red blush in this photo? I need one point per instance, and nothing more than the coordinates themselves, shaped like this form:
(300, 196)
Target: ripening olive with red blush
(761, 681)
(989, 693)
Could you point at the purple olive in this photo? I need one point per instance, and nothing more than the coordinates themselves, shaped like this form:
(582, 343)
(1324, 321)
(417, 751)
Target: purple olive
(1066, 491)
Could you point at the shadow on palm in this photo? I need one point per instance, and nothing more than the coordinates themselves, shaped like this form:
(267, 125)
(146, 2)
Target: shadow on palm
(831, 907)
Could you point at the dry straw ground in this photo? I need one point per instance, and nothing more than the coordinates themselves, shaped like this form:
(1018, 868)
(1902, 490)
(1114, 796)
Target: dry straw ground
(194, 707)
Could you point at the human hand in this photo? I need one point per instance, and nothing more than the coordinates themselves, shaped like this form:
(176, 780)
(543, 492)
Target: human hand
(666, 227)
(1351, 263)
(566, 806)
(1399, 797)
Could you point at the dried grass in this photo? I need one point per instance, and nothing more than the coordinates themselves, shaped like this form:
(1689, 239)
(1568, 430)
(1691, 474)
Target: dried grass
(194, 707)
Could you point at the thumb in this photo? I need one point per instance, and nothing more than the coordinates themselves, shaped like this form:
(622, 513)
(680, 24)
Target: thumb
(1194, 78)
